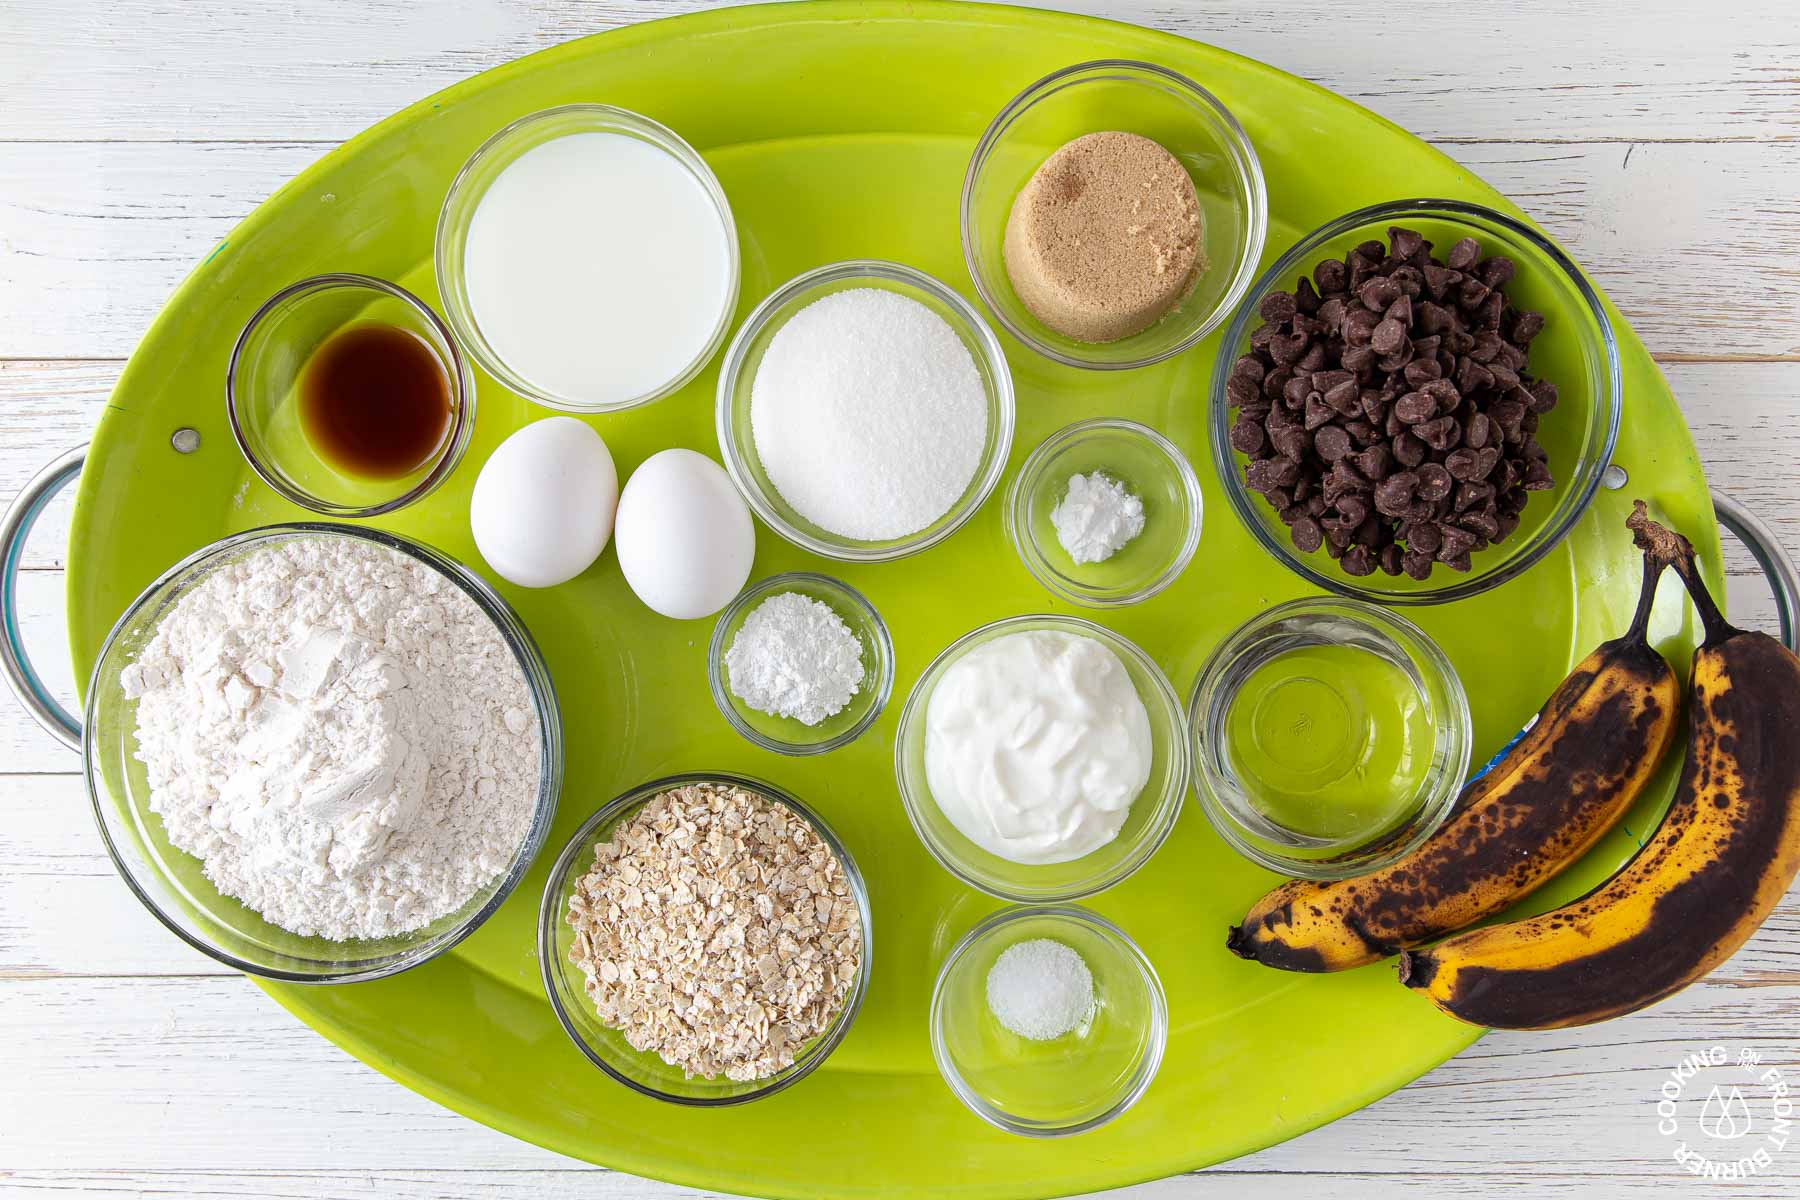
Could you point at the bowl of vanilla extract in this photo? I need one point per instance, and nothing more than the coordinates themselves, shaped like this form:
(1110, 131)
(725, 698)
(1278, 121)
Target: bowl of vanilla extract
(348, 396)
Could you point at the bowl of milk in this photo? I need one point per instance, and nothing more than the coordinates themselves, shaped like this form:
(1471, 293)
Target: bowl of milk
(588, 259)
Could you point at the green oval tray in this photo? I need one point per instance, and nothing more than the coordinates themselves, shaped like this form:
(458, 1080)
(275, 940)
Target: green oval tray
(842, 130)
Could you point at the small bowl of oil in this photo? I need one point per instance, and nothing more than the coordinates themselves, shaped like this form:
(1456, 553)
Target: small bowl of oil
(348, 396)
(1330, 738)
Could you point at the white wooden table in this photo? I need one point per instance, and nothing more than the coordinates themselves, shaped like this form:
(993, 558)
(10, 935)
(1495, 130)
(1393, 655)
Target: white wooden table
(1658, 139)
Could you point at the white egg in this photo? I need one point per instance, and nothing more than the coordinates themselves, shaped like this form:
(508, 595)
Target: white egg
(684, 535)
(543, 504)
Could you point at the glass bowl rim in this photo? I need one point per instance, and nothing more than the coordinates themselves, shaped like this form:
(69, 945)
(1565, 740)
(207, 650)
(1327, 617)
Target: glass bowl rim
(469, 329)
(1456, 734)
(884, 653)
(1156, 830)
(550, 911)
(1242, 152)
(1608, 400)
(518, 641)
(462, 386)
(1019, 528)
(1159, 1017)
(999, 398)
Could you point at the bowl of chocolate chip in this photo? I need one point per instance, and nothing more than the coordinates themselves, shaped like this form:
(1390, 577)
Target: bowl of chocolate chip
(1416, 403)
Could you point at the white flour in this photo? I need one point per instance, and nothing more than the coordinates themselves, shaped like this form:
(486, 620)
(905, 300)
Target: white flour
(1096, 517)
(340, 735)
(795, 657)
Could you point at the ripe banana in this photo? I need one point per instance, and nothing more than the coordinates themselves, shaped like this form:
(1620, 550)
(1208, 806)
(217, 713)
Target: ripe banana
(1725, 852)
(1567, 781)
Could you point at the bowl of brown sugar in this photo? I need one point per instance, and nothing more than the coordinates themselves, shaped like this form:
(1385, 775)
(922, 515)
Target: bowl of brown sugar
(1113, 214)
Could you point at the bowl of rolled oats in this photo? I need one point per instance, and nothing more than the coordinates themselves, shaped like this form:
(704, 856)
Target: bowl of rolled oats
(704, 939)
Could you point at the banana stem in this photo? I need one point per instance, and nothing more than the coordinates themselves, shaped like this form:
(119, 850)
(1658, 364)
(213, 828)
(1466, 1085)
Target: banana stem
(1664, 547)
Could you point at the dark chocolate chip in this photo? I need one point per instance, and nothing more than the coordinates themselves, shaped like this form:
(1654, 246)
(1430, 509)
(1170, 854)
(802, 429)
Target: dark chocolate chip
(1388, 337)
(1434, 482)
(1287, 349)
(1408, 450)
(1247, 436)
(1378, 293)
(1331, 443)
(1305, 299)
(1463, 255)
(1441, 434)
(1374, 462)
(1317, 412)
(1290, 441)
(1496, 272)
(1526, 326)
(1331, 276)
(1277, 307)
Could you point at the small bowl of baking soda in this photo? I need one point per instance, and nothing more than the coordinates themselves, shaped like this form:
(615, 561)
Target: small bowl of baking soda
(1105, 513)
(800, 663)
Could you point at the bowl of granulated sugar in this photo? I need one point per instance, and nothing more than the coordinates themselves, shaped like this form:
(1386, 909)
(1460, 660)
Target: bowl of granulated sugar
(865, 411)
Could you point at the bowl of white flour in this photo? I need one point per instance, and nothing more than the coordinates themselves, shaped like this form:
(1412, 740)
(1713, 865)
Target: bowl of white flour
(322, 754)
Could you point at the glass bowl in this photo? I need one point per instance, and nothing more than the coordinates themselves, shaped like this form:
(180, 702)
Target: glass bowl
(478, 174)
(1065, 1085)
(171, 883)
(1576, 351)
(1132, 97)
(738, 445)
(1301, 846)
(788, 735)
(1153, 813)
(644, 1071)
(262, 395)
(1151, 468)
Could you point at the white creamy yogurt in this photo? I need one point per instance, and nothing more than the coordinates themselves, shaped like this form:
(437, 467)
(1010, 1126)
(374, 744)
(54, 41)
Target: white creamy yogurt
(1036, 744)
(597, 267)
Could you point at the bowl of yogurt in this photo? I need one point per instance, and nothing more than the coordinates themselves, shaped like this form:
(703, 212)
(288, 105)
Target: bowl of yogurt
(588, 259)
(1041, 758)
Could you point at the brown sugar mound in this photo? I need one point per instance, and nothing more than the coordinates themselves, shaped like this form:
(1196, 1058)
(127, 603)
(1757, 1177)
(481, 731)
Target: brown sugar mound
(1105, 239)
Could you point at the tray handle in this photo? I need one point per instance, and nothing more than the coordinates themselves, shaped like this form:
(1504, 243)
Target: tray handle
(1777, 567)
(15, 527)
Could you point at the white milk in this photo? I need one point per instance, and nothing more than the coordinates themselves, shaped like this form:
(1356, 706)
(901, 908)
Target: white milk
(596, 266)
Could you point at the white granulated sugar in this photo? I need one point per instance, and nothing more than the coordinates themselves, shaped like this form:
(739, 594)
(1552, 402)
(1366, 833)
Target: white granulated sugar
(1040, 989)
(1096, 517)
(868, 414)
(795, 657)
(340, 735)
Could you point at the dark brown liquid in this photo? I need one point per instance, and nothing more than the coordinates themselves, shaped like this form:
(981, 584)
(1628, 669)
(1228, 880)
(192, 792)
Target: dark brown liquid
(375, 401)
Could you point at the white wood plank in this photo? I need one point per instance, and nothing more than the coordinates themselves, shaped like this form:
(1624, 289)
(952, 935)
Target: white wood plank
(1696, 244)
(208, 1071)
(589, 1184)
(46, 408)
(1583, 69)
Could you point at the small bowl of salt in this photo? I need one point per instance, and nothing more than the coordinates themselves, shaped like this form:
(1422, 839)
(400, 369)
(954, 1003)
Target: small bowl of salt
(1047, 1020)
(1105, 513)
(800, 663)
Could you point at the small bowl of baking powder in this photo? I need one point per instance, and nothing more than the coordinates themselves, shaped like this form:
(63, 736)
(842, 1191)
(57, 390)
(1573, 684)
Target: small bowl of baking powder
(800, 663)
(1105, 513)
